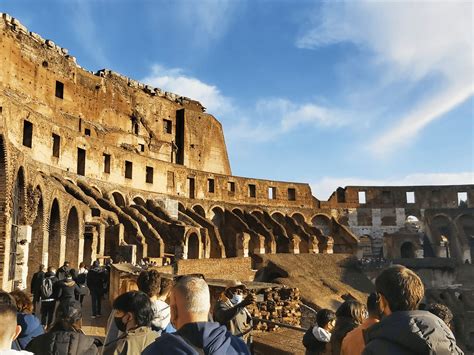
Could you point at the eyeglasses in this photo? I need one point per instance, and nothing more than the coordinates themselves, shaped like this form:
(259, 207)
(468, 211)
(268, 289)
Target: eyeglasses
(178, 278)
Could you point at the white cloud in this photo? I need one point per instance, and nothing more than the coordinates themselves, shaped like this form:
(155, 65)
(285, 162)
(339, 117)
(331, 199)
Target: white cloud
(323, 188)
(268, 119)
(174, 80)
(408, 42)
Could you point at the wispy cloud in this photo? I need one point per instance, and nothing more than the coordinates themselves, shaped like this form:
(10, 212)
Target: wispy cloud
(262, 122)
(407, 42)
(324, 187)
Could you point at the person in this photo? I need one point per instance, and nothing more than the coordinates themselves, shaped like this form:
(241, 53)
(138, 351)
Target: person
(353, 342)
(442, 312)
(63, 271)
(65, 336)
(67, 289)
(404, 329)
(95, 282)
(9, 330)
(81, 281)
(317, 338)
(190, 302)
(150, 283)
(48, 300)
(230, 310)
(30, 325)
(349, 315)
(132, 316)
(36, 282)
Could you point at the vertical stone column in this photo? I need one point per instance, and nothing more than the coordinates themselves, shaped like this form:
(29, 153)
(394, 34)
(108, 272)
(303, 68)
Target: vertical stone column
(21, 270)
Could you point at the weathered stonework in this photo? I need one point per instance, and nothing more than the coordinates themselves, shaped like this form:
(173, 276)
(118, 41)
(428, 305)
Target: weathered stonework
(99, 165)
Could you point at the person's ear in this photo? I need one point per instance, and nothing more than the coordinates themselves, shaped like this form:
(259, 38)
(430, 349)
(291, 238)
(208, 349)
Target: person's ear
(17, 332)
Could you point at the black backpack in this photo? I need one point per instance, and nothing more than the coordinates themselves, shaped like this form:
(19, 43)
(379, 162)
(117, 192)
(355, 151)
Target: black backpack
(47, 288)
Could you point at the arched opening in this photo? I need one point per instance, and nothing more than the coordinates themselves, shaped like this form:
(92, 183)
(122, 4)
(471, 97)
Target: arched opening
(407, 250)
(322, 222)
(72, 237)
(97, 189)
(193, 246)
(18, 208)
(139, 201)
(54, 237)
(299, 218)
(119, 199)
(442, 228)
(199, 210)
(35, 254)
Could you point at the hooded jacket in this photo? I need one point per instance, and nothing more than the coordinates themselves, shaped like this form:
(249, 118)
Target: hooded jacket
(410, 333)
(198, 338)
(64, 343)
(30, 328)
(131, 343)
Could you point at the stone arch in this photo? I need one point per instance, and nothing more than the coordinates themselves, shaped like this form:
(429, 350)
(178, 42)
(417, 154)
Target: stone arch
(138, 200)
(35, 252)
(407, 250)
(95, 187)
(72, 237)
(323, 222)
(118, 198)
(443, 231)
(299, 218)
(181, 206)
(54, 235)
(199, 210)
(70, 180)
(193, 246)
(212, 210)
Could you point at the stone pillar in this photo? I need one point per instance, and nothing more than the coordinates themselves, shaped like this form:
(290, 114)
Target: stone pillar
(295, 244)
(242, 247)
(376, 217)
(21, 269)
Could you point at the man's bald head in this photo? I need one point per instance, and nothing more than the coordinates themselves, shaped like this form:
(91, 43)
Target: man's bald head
(190, 301)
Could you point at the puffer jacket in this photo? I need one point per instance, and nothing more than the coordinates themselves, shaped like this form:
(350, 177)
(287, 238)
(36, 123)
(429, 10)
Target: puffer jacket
(63, 343)
(410, 333)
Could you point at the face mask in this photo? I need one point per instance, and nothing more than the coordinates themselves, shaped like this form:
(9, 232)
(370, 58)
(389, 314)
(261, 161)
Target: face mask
(236, 299)
(120, 325)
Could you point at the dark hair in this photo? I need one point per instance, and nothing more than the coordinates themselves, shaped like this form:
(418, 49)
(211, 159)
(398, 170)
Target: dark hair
(7, 299)
(442, 312)
(324, 316)
(149, 282)
(373, 304)
(137, 303)
(23, 301)
(401, 287)
(352, 309)
(51, 268)
(67, 263)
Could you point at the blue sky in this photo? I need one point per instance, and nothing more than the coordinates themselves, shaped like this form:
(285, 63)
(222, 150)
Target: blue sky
(329, 93)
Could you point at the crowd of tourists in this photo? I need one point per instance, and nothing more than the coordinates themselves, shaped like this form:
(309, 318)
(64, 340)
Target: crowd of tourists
(392, 322)
(173, 316)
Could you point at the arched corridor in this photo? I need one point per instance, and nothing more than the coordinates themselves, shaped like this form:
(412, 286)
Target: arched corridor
(72, 238)
(54, 238)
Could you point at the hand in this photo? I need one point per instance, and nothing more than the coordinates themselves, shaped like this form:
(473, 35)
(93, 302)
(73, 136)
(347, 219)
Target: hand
(249, 299)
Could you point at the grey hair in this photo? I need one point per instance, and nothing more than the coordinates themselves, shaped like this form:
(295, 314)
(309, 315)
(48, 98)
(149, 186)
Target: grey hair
(195, 293)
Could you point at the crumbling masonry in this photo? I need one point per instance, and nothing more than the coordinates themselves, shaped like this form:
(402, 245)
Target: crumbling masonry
(96, 165)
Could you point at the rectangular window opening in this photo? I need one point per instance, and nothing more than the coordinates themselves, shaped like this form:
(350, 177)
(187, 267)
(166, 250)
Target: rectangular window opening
(56, 145)
(167, 126)
(362, 199)
(59, 90)
(27, 133)
(410, 197)
(386, 196)
(87, 132)
(272, 192)
(462, 199)
(252, 191)
(231, 186)
(291, 194)
(142, 147)
(128, 169)
(191, 187)
(107, 163)
(210, 185)
(81, 161)
(149, 175)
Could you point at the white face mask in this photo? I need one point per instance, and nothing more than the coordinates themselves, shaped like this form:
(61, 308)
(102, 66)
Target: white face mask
(236, 298)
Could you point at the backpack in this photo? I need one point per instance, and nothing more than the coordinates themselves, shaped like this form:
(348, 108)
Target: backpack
(47, 288)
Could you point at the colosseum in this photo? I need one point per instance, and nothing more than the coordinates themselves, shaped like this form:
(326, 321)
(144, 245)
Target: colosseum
(96, 165)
